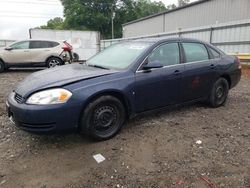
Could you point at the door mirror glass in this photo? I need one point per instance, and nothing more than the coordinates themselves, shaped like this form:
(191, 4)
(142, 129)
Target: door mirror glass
(153, 65)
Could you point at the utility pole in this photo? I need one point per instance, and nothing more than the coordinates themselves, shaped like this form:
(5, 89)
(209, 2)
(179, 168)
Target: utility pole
(112, 21)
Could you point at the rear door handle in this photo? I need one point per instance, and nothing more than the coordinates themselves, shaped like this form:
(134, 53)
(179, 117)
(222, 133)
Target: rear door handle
(212, 66)
(26, 50)
(177, 72)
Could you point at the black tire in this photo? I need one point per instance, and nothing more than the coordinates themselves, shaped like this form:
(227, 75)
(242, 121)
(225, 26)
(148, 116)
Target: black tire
(219, 93)
(2, 66)
(75, 57)
(54, 62)
(103, 118)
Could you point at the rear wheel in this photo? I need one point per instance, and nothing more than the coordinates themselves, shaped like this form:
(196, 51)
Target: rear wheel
(219, 93)
(2, 67)
(54, 62)
(75, 57)
(103, 118)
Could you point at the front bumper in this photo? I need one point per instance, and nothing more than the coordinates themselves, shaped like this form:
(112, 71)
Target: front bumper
(47, 119)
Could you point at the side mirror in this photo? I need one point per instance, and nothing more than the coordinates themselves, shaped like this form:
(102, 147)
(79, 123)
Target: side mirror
(153, 65)
(8, 48)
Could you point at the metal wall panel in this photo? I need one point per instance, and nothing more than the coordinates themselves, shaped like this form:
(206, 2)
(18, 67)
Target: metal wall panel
(202, 14)
(235, 49)
(210, 12)
(150, 26)
(204, 35)
(233, 37)
(232, 34)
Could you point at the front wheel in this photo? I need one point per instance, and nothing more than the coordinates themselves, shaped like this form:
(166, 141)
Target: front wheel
(54, 62)
(103, 118)
(219, 93)
(1, 66)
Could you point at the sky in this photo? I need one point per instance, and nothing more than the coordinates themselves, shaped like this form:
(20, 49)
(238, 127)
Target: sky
(18, 16)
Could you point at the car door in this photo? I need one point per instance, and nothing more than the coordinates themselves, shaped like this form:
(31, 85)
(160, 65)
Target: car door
(199, 71)
(17, 53)
(161, 86)
(39, 51)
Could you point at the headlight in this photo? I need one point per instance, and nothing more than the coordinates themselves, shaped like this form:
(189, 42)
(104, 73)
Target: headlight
(51, 96)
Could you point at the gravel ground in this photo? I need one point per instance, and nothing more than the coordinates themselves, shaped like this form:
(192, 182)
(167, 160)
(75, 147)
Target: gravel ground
(157, 150)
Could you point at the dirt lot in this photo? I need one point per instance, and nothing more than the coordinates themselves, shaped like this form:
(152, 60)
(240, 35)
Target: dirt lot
(151, 151)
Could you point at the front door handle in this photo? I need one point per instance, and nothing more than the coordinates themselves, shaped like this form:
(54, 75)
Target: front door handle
(26, 50)
(177, 72)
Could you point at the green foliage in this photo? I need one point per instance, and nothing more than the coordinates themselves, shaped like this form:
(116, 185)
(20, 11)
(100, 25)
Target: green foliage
(56, 23)
(96, 15)
(183, 2)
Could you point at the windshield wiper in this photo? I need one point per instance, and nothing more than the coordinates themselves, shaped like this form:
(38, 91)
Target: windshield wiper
(98, 66)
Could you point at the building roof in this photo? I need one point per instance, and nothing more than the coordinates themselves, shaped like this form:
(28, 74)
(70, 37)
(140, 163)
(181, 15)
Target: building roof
(166, 12)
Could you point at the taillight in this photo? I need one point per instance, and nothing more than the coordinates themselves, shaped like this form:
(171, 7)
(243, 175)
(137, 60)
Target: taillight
(66, 46)
(238, 62)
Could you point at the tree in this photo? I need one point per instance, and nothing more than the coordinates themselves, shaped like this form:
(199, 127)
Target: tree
(96, 15)
(172, 6)
(56, 23)
(183, 2)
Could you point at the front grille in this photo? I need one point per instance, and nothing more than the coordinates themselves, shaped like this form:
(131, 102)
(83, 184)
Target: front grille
(18, 98)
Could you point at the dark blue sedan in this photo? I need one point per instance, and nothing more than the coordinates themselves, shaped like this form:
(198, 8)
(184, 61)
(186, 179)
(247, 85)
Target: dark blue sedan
(123, 80)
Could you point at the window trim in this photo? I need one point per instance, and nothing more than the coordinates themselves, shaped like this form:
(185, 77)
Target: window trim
(184, 54)
(139, 69)
(212, 57)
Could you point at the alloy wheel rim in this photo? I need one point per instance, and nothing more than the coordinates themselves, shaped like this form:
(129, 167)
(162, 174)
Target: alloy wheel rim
(54, 63)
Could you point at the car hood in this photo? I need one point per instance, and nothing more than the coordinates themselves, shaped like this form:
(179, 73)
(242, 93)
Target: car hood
(59, 76)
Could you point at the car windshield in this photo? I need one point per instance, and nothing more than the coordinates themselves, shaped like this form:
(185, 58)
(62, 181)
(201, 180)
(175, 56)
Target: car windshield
(118, 56)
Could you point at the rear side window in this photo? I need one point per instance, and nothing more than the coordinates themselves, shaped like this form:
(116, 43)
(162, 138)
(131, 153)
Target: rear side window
(215, 54)
(42, 44)
(53, 44)
(35, 44)
(195, 52)
(166, 54)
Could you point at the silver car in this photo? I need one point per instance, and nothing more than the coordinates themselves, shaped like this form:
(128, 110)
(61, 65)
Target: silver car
(38, 53)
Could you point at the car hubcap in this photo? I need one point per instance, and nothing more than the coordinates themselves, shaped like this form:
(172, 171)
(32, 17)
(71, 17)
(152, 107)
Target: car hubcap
(105, 118)
(54, 63)
(219, 92)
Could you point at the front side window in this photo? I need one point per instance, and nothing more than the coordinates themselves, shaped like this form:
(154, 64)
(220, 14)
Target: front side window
(20, 45)
(119, 56)
(195, 52)
(166, 54)
(53, 44)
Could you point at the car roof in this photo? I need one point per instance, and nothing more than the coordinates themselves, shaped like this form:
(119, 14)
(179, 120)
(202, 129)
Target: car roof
(48, 40)
(166, 39)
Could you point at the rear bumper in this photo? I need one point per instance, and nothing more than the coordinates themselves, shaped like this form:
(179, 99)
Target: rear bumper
(49, 119)
(235, 78)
